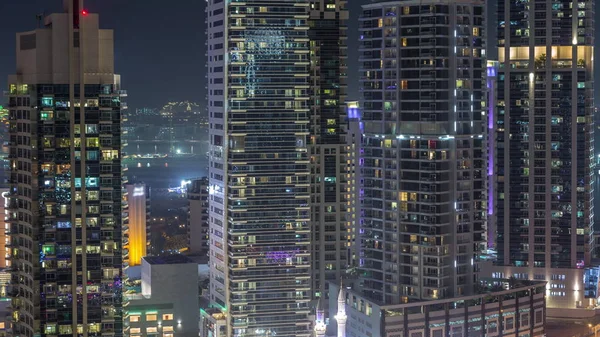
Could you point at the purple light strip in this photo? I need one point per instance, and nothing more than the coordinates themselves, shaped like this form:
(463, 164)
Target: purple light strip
(491, 148)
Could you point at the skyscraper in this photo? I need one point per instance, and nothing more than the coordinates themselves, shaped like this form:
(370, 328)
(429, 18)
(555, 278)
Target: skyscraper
(198, 227)
(259, 185)
(65, 179)
(331, 211)
(545, 137)
(423, 156)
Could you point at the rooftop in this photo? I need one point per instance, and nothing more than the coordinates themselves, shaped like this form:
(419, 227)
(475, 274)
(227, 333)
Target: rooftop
(170, 259)
(486, 287)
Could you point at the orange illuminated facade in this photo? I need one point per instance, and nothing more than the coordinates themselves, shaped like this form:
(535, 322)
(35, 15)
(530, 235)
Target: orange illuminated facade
(137, 196)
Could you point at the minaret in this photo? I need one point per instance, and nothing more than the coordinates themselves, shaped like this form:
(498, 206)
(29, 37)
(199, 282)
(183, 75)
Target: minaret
(341, 314)
(320, 327)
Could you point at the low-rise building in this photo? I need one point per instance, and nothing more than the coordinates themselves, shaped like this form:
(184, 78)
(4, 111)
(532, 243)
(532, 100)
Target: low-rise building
(500, 307)
(168, 305)
(571, 293)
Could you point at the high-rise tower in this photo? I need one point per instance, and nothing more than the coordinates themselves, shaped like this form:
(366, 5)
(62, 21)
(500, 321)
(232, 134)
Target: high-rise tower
(422, 159)
(331, 211)
(545, 137)
(65, 179)
(259, 184)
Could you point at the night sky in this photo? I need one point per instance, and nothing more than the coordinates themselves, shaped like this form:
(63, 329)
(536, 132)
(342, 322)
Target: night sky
(159, 46)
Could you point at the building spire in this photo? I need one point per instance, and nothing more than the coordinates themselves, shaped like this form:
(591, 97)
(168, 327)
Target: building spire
(341, 317)
(320, 327)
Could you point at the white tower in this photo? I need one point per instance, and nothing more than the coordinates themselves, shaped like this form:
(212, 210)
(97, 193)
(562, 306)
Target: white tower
(341, 314)
(320, 327)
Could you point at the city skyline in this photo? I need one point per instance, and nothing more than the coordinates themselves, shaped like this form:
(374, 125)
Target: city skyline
(443, 187)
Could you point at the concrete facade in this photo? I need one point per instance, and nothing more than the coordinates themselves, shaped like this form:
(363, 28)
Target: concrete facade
(169, 299)
(513, 312)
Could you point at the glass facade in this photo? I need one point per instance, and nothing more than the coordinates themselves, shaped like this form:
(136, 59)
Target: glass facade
(331, 211)
(545, 134)
(65, 199)
(259, 182)
(423, 155)
(65, 210)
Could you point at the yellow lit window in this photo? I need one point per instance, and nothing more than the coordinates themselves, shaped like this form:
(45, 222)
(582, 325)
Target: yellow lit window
(135, 330)
(406, 10)
(475, 31)
(50, 328)
(404, 42)
(92, 142)
(167, 317)
(167, 328)
(151, 317)
(152, 329)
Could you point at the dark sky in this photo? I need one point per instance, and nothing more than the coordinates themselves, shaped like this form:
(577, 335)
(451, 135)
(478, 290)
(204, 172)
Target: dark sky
(159, 46)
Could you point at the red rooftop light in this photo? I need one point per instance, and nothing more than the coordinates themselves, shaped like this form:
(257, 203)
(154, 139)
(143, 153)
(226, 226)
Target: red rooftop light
(84, 12)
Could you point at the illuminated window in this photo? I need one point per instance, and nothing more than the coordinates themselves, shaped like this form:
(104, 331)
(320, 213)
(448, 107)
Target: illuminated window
(92, 142)
(167, 317)
(134, 318)
(475, 31)
(46, 115)
(406, 10)
(50, 328)
(47, 102)
(152, 329)
(151, 317)
(135, 330)
(168, 328)
(65, 329)
(330, 6)
(403, 196)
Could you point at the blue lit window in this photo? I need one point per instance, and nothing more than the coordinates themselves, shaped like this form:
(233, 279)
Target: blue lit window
(91, 182)
(63, 224)
(47, 102)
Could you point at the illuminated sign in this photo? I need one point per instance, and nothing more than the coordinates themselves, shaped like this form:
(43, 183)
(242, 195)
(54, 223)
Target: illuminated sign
(138, 192)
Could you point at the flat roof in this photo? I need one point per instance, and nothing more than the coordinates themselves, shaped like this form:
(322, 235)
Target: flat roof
(169, 259)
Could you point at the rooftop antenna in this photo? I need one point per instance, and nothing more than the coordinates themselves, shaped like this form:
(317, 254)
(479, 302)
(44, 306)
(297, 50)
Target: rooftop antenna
(39, 18)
